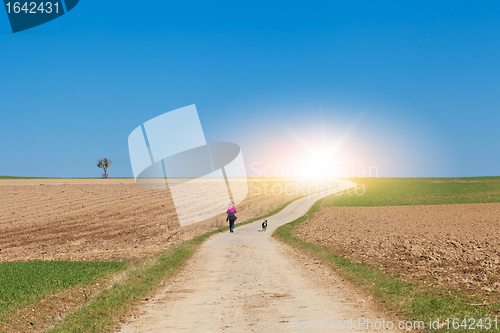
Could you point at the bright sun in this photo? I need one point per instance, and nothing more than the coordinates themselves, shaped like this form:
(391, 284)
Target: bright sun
(320, 164)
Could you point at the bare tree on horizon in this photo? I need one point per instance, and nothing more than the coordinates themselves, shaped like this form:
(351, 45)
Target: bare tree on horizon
(104, 164)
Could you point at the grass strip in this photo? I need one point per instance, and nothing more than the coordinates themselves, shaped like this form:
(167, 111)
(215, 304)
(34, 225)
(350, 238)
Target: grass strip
(112, 304)
(26, 283)
(15, 177)
(61, 178)
(414, 301)
(420, 191)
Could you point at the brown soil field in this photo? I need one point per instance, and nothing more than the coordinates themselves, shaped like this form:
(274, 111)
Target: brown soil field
(450, 245)
(102, 219)
(105, 219)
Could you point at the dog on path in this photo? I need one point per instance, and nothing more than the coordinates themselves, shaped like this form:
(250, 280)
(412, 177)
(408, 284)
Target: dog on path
(264, 225)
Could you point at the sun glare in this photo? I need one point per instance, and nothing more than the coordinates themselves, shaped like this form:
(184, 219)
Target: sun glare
(321, 154)
(321, 164)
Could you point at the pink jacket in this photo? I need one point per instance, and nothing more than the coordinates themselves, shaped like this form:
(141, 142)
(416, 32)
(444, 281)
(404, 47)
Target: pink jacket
(231, 210)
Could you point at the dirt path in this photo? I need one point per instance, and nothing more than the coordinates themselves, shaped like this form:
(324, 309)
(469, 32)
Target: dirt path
(246, 282)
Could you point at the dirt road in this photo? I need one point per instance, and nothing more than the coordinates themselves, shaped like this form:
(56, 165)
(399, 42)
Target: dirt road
(248, 282)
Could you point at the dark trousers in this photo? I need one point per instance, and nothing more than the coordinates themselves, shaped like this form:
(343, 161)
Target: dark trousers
(231, 224)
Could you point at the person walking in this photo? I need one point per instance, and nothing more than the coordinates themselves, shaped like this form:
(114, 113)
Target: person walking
(230, 216)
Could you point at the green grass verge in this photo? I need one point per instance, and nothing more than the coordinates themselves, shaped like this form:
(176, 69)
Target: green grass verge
(104, 310)
(412, 301)
(421, 191)
(25, 283)
(107, 308)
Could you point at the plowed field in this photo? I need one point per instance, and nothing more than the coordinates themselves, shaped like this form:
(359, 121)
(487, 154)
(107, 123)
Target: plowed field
(445, 244)
(94, 219)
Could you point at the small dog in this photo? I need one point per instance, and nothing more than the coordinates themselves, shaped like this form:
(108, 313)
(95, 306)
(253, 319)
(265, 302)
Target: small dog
(264, 225)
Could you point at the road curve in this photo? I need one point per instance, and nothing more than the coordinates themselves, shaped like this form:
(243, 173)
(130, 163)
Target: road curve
(246, 282)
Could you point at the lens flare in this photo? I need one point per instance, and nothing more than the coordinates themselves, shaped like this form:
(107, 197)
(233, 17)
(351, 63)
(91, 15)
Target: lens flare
(320, 164)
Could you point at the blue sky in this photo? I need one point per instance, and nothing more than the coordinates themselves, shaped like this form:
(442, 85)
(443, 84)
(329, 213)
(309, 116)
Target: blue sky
(409, 87)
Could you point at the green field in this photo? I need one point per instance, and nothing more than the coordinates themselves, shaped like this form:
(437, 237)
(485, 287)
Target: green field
(419, 191)
(26, 283)
(13, 177)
